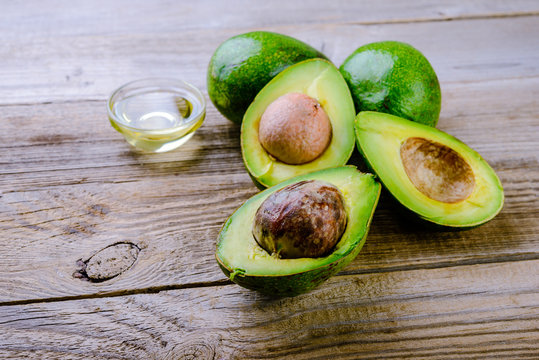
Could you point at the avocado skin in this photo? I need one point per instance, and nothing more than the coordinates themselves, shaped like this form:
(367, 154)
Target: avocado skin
(296, 284)
(395, 78)
(256, 183)
(243, 64)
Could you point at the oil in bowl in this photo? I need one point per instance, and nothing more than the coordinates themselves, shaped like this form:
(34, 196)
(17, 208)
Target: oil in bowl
(157, 115)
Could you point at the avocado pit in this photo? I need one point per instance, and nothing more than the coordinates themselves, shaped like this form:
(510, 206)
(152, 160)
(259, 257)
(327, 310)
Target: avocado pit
(305, 219)
(295, 129)
(436, 170)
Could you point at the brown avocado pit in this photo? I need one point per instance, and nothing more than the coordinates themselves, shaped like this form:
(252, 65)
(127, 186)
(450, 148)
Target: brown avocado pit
(436, 170)
(295, 129)
(304, 219)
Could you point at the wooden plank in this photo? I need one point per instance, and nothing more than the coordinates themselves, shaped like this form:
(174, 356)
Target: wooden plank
(45, 69)
(86, 194)
(70, 186)
(57, 18)
(469, 111)
(479, 311)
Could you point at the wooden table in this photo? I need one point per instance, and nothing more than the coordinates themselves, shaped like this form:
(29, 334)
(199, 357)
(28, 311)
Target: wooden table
(70, 186)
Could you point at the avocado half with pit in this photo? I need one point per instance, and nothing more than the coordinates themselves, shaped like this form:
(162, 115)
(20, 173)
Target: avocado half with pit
(429, 172)
(246, 263)
(320, 81)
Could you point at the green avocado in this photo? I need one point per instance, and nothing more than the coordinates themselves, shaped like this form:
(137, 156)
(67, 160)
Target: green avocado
(247, 264)
(395, 78)
(436, 176)
(320, 80)
(243, 64)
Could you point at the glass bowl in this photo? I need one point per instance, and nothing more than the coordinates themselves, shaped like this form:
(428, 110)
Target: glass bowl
(156, 114)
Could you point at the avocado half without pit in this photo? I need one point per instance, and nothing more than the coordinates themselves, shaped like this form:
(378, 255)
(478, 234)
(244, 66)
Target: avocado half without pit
(429, 172)
(291, 237)
(298, 123)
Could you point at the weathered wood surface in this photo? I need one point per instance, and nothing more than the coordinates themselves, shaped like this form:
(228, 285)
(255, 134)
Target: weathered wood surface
(70, 186)
(477, 311)
(101, 17)
(87, 194)
(88, 67)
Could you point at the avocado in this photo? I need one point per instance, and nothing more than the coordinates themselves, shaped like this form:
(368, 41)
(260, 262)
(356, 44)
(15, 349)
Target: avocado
(243, 64)
(436, 176)
(395, 78)
(321, 81)
(246, 263)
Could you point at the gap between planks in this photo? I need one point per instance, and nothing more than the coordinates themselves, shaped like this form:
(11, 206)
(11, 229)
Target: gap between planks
(223, 282)
(516, 14)
(384, 13)
(104, 99)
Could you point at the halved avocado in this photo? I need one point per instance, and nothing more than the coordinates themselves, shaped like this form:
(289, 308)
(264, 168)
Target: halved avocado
(249, 265)
(431, 173)
(320, 80)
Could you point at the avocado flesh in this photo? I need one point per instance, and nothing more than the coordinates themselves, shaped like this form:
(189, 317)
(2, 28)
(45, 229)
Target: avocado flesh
(395, 78)
(243, 64)
(320, 80)
(380, 138)
(246, 263)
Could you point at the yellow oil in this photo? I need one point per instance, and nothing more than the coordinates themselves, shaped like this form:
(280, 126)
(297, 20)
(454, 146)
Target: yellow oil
(157, 121)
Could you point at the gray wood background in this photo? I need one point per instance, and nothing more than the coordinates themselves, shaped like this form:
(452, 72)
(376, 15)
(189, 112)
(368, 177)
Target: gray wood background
(71, 186)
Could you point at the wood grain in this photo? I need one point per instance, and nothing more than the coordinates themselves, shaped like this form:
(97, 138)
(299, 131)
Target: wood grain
(478, 311)
(45, 69)
(70, 186)
(87, 194)
(57, 18)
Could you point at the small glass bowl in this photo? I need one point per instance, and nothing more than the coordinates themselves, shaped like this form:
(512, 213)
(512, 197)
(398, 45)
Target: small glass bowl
(156, 114)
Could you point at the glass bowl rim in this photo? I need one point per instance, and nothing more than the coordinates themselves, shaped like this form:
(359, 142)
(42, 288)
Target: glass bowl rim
(191, 89)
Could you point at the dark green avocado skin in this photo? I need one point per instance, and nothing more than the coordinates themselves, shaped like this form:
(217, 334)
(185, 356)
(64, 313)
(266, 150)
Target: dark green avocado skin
(243, 64)
(395, 78)
(295, 284)
(288, 286)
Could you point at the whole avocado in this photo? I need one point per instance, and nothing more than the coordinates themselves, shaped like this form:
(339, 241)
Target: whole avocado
(395, 78)
(243, 64)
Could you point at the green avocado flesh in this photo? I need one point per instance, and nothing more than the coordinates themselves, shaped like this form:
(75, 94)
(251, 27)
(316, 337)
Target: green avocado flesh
(431, 173)
(247, 264)
(394, 78)
(320, 80)
(243, 64)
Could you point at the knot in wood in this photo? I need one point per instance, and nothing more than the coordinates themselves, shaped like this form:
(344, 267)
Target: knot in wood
(108, 262)
(192, 351)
